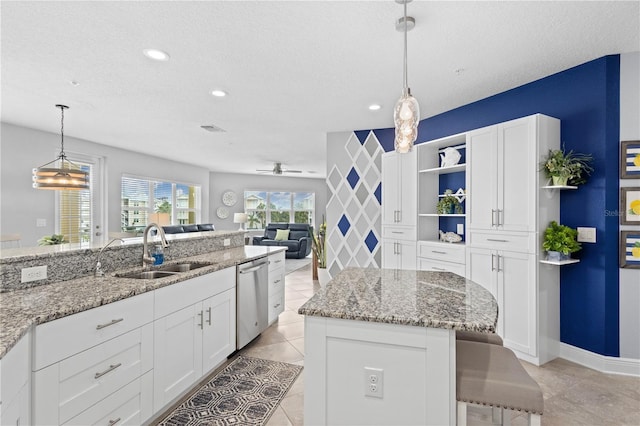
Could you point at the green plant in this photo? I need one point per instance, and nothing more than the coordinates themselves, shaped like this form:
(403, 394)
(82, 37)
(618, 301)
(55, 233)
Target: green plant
(318, 244)
(448, 203)
(560, 238)
(52, 240)
(569, 167)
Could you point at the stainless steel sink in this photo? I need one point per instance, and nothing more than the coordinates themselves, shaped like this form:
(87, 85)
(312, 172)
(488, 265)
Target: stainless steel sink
(147, 275)
(183, 267)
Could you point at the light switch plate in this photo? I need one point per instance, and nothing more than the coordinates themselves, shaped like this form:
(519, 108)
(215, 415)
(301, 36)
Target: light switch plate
(586, 235)
(460, 229)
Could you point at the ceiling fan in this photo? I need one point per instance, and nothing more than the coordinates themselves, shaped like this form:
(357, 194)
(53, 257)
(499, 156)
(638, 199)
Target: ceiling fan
(278, 170)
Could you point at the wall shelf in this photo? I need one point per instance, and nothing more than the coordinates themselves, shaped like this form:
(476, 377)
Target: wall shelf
(560, 187)
(445, 170)
(441, 215)
(561, 262)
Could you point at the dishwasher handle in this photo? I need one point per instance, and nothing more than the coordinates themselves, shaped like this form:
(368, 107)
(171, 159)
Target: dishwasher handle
(252, 269)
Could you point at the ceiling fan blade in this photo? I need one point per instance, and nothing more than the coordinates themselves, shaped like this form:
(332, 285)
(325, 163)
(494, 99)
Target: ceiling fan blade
(292, 171)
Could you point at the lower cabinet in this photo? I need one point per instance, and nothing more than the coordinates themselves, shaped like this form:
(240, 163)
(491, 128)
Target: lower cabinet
(192, 341)
(437, 256)
(276, 286)
(15, 398)
(511, 277)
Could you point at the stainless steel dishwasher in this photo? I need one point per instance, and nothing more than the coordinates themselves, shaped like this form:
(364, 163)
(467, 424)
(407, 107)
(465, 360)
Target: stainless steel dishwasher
(252, 300)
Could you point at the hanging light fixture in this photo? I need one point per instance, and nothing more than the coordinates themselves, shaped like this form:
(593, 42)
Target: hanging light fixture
(67, 176)
(406, 114)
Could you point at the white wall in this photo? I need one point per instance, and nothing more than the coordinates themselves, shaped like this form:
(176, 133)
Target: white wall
(219, 183)
(23, 148)
(630, 278)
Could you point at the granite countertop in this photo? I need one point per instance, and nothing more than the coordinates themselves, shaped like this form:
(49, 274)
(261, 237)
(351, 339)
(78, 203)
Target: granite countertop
(21, 309)
(415, 298)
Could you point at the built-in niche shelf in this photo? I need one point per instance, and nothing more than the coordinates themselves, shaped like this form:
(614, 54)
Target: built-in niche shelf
(560, 262)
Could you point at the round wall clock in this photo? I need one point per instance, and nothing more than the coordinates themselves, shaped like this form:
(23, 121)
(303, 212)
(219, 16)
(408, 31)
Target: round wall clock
(229, 198)
(222, 212)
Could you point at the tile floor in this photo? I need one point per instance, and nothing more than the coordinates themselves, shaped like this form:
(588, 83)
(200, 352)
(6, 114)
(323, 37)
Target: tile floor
(573, 394)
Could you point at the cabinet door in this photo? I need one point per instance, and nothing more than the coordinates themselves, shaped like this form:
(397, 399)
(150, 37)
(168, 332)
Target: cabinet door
(408, 188)
(390, 259)
(480, 269)
(390, 185)
(517, 171)
(398, 254)
(482, 178)
(177, 353)
(219, 333)
(408, 255)
(517, 301)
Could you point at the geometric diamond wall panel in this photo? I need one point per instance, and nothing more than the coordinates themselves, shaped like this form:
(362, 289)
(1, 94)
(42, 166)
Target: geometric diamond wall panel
(353, 209)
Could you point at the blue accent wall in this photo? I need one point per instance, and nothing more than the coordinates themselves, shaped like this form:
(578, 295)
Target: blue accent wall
(586, 100)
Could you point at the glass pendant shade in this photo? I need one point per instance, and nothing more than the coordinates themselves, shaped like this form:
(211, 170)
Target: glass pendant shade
(67, 176)
(406, 117)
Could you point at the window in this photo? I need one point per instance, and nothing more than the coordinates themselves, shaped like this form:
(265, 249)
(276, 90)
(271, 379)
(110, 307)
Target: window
(264, 207)
(147, 201)
(74, 218)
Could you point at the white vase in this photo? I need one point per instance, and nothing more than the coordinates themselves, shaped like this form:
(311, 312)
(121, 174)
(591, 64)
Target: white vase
(323, 276)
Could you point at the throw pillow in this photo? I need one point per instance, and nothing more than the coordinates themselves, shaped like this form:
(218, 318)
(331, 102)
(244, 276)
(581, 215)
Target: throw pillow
(282, 235)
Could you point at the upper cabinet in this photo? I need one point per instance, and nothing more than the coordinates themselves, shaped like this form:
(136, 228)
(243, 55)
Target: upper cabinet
(399, 182)
(503, 176)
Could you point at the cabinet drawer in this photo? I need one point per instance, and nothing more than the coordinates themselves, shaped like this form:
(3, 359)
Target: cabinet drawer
(524, 242)
(276, 306)
(65, 389)
(440, 266)
(276, 282)
(178, 296)
(442, 251)
(399, 233)
(276, 261)
(131, 405)
(59, 339)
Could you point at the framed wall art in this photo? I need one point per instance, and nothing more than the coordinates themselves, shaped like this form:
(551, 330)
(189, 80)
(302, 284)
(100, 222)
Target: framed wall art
(630, 160)
(630, 249)
(630, 206)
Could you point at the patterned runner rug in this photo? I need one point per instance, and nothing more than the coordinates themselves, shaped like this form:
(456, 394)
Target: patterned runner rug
(245, 392)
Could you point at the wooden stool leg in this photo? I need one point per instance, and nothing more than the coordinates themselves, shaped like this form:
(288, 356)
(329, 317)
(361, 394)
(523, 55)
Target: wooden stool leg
(462, 414)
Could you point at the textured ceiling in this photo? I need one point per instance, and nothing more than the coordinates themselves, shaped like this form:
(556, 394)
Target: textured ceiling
(293, 70)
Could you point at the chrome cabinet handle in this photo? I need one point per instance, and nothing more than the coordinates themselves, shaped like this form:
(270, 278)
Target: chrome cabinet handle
(499, 269)
(278, 261)
(493, 268)
(201, 325)
(397, 232)
(439, 252)
(493, 217)
(113, 422)
(276, 281)
(115, 321)
(497, 241)
(399, 215)
(399, 248)
(209, 312)
(276, 306)
(438, 269)
(108, 370)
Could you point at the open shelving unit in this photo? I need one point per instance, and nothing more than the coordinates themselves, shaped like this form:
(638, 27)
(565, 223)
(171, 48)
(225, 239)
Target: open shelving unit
(561, 262)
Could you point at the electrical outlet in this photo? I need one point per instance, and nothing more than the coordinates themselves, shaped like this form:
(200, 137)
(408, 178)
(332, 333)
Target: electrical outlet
(373, 382)
(227, 242)
(586, 235)
(33, 274)
(460, 229)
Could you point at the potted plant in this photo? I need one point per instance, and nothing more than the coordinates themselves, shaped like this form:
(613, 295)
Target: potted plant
(52, 240)
(567, 168)
(449, 204)
(560, 241)
(318, 246)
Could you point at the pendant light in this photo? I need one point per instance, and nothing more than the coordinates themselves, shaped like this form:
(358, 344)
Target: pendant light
(67, 176)
(406, 114)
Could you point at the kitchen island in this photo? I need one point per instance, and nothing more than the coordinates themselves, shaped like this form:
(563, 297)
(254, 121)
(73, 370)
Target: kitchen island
(380, 345)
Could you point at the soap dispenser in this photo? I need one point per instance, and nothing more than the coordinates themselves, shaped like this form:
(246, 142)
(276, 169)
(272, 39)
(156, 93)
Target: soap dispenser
(158, 255)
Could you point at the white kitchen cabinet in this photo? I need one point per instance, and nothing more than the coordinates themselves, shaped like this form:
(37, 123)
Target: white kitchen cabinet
(511, 277)
(194, 332)
(502, 172)
(399, 189)
(398, 254)
(15, 371)
(437, 256)
(276, 286)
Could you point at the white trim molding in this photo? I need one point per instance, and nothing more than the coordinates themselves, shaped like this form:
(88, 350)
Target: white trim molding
(602, 363)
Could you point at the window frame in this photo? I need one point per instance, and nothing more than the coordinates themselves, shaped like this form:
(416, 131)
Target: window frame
(268, 210)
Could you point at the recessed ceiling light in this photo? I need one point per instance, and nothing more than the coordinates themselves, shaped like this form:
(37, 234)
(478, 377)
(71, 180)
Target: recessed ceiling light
(74, 83)
(218, 93)
(374, 107)
(156, 54)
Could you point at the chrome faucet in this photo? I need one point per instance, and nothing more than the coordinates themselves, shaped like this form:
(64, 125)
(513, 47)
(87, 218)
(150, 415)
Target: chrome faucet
(147, 259)
(99, 272)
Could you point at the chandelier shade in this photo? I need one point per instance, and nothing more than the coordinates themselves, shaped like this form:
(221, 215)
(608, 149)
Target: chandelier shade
(67, 176)
(406, 114)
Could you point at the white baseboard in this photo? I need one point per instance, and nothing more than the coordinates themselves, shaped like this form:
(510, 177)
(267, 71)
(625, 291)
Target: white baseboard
(602, 363)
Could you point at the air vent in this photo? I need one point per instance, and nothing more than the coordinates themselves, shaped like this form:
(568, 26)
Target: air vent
(212, 128)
